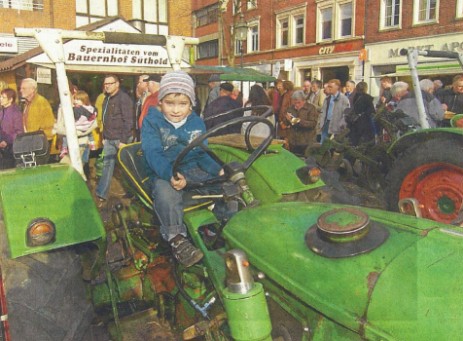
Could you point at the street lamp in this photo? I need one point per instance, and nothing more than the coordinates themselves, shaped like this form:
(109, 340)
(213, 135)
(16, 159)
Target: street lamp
(241, 33)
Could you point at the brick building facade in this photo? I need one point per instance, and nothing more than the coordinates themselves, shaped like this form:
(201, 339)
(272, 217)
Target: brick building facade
(292, 40)
(428, 25)
(324, 39)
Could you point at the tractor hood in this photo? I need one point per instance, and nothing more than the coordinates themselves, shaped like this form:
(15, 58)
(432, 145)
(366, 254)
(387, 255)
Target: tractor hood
(56, 193)
(408, 286)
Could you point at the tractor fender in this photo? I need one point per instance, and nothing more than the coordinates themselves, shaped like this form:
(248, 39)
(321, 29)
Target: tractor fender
(54, 192)
(417, 137)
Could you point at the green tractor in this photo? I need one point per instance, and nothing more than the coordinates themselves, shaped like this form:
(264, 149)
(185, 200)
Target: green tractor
(426, 178)
(420, 171)
(280, 268)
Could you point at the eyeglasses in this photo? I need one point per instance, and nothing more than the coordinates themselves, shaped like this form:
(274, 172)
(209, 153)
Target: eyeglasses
(106, 84)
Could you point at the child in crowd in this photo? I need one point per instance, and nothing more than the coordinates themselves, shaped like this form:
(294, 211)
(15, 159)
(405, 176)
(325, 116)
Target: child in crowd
(84, 116)
(166, 131)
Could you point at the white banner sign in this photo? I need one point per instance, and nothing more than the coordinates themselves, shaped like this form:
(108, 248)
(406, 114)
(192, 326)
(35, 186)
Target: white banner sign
(87, 52)
(43, 75)
(8, 44)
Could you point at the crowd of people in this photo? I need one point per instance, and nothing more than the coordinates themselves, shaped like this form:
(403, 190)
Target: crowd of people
(166, 116)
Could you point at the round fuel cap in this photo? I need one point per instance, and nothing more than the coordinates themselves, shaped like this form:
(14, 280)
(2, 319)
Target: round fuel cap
(345, 232)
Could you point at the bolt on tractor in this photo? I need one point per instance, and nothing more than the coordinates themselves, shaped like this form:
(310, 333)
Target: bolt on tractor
(282, 266)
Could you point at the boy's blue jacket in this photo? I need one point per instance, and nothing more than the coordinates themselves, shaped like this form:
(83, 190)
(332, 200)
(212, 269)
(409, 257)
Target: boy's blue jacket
(161, 143)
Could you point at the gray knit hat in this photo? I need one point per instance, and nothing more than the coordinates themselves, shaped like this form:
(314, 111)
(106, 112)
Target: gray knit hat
(177, 82)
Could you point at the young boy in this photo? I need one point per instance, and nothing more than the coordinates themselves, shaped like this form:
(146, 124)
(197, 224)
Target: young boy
(166, 131)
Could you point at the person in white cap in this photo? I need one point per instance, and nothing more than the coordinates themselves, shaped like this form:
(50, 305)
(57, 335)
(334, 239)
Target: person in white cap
(166, 131)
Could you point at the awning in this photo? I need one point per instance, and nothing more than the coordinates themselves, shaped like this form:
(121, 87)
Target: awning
(228, 73)
(19, 60)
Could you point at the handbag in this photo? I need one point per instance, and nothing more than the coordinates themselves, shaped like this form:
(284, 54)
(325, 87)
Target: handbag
(350, 116)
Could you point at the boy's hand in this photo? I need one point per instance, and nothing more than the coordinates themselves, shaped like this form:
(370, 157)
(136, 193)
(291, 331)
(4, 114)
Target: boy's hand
(178, 183)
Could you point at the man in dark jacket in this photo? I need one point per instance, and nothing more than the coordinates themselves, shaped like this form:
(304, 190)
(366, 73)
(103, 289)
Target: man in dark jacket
(452, 99)
(118, 114)
(221, 105)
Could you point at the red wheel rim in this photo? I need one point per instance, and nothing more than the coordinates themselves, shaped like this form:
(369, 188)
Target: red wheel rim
(438, 187)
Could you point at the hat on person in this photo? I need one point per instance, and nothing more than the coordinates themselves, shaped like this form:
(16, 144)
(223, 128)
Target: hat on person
(177, 82)
(214, 78)
(227, 86)
(154, 78)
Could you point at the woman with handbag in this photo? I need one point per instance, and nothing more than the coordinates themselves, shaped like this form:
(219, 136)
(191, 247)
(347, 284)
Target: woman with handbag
(360, 119)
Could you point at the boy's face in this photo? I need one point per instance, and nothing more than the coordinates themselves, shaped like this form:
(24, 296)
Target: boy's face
(175, 107)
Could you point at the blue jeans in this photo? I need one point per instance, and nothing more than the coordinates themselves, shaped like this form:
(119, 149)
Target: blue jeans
(110, 148)
(168, 203)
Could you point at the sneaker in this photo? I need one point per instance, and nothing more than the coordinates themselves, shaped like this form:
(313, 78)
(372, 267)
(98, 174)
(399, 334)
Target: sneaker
(184, 251)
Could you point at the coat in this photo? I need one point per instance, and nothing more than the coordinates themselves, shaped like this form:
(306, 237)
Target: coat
(453, 100)
(38, 115)
(432, 107)
(362, 129)
(303, 133)
(161, 143)
(118, 120)
(219, 106)
(11, 123)
(337, 123)
(317, 99)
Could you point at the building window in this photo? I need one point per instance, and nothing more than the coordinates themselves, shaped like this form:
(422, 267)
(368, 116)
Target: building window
(425, 11)
(284, 32)
(150, 16)
(90, 11)
(23, 5)
(459, 10)
(345, 20)
(208, 49)
(251, 4)
(206, 16)
(291, 27)
(299, 29)
(253, 37)
(327, 23)
(335, 19)
(390, 14)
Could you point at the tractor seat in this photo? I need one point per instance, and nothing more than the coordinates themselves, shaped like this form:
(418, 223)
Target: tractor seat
(134, 166)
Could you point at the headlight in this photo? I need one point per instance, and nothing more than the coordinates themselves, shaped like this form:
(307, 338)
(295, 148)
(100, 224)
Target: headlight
(41, 231)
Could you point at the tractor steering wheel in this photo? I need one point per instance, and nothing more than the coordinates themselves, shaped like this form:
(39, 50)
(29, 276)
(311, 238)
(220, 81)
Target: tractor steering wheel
(198, 142)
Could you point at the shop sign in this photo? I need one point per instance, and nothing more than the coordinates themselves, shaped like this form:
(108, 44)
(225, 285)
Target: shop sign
(43, 75)
(97, 53)
(326, 49)
(454, 46)
(8, 44)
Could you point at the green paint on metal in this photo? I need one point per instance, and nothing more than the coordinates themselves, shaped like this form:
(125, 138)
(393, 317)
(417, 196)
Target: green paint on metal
(272, 175)
(247, 314)
(56, 192)
(343, 218)
(418, 265)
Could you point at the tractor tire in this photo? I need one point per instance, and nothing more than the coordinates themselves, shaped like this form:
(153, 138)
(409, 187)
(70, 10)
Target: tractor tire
(44, 296)
(431, 173)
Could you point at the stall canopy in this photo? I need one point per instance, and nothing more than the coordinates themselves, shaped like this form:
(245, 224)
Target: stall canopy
(228, 73)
